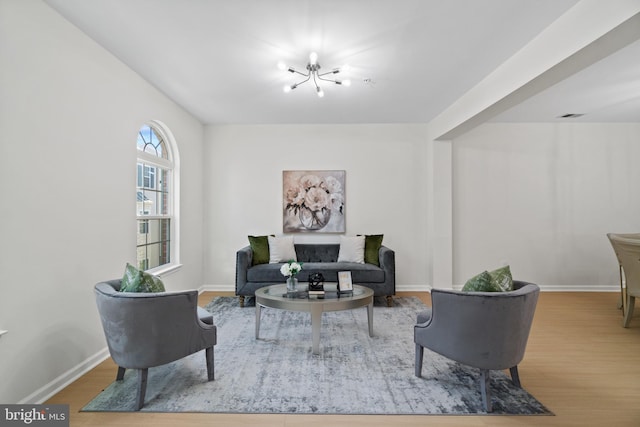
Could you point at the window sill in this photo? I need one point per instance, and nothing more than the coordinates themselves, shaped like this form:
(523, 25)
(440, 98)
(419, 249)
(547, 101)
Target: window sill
(165, 270)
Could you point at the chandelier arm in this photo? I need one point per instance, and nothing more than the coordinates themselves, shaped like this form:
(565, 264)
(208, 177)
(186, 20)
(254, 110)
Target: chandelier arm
(293, 70)
(304, 81)
(327, 80)
(335, 71)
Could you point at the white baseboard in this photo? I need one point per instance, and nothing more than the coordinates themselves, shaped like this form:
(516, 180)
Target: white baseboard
(413, 288)
(50, 389)
(217, 288)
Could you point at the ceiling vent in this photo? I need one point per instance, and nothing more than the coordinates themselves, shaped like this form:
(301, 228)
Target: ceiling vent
(570, 116)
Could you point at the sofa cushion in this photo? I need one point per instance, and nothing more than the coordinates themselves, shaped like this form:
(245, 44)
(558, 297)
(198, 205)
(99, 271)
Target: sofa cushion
(135, 280)
(360, 273)
(265, 273)
(481, 283)
(309, 252)
(260, 248)
(281, 249)
(372, 245)
(351, 249)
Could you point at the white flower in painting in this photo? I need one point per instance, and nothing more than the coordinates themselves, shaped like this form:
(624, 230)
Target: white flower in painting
(310, 181)
(316, 199)
(332, 185)
(295, 196)
(337, 201)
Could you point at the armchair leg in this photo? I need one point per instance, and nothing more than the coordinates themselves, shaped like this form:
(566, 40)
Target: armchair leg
(484, 388)
(389, 301)
(210, 365)
(631, 302)
(419, 357)
(241, 299)
(142, 387)
(120, 374)
(514, 376)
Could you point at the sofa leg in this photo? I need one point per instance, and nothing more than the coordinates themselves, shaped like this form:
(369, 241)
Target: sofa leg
(389, 301)
(241, 298)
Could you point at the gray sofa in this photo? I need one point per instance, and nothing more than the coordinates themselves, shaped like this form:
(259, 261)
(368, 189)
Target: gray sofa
(317, 258)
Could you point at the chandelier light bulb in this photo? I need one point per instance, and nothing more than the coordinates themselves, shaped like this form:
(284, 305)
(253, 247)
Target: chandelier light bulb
(346, 83)
(286, 88)
(313, 58)
(320, 92)
(282, 66)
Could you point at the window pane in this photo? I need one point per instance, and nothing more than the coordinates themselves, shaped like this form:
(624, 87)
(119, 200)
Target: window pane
(151, 142)
(153, 197)
(163, 187)
(148, 178)
(140, 175)
(153, 242)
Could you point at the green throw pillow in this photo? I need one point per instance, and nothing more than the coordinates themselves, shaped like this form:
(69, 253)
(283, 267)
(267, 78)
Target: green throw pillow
(135, 280)
(372, 245)
(260, 247)
(152, 283)
(131, 279)
(502, 278)
(481, 283)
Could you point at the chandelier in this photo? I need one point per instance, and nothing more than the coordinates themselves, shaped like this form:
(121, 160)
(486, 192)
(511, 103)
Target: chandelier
(313, 68)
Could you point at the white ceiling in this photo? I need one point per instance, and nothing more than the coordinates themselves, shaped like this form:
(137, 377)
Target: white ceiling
(409, 59)
(607, 91)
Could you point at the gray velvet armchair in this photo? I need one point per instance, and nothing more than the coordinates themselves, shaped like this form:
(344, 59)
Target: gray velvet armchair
(485, 330)
(144, 330)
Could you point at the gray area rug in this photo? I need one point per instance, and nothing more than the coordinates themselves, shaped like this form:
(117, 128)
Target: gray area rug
(353, 374)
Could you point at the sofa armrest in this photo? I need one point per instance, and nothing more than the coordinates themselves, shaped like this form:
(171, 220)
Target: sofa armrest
(387, 260)
(244, 257)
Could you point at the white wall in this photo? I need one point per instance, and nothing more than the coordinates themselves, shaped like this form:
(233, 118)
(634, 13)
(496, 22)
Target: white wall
(385, 187)
(541, 197)
(69, 115)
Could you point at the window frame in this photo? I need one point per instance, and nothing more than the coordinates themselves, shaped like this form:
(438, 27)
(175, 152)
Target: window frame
(172, 165)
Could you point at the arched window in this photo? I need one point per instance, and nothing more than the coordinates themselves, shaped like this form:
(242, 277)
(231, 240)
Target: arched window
(156, 206)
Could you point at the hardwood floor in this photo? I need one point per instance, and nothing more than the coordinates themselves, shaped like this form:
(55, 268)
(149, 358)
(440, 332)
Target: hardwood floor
(580, 363)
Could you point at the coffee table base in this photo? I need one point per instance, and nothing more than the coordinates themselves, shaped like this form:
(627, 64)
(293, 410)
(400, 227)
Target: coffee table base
(316, 308)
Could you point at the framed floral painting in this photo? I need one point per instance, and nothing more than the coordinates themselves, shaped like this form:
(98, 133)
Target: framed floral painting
(313, 201)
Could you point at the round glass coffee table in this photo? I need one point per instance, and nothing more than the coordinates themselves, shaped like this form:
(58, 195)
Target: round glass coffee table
(276, 296)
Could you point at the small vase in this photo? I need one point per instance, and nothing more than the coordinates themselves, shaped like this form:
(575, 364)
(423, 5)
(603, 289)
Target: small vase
(292, 284)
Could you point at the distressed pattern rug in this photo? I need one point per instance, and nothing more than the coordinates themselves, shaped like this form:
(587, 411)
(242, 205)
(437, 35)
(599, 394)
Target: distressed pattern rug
(353, 374)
